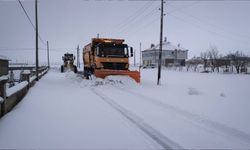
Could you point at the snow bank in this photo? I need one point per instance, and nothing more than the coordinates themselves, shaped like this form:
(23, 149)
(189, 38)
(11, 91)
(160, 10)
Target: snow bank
(16, 88)
(26, 72)
(42, 73)
(114, 80)
(32, 78)
(109, 80)
(193, 91)
(117, 80)
(89, 83)
(3, 78)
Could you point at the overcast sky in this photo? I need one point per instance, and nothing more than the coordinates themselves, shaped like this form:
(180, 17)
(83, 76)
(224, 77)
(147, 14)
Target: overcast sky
(67, 23)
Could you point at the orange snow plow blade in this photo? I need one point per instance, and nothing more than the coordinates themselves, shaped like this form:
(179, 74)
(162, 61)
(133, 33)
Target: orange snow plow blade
(133, 74)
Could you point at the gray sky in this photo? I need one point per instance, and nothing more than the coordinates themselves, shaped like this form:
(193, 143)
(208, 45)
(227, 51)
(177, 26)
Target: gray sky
(67, 23)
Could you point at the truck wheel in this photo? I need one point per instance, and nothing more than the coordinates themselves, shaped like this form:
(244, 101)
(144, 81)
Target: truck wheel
(62, 69)
(75, 69)
(86, 74)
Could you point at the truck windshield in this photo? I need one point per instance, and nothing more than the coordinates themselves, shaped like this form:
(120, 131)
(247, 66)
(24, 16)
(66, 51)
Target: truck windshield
(112, 50)
(68, 57)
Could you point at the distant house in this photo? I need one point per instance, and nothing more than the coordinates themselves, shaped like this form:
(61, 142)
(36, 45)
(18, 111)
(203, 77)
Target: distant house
(4, 65)
(171, 55)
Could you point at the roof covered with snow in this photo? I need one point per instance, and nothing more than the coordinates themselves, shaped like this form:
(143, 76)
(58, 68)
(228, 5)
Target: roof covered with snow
(167, 46)
(3, 57)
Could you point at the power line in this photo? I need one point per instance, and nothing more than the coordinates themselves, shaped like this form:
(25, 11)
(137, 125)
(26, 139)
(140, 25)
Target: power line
(154, 20)
(188, 0)
(139, 11)
(31, 21)
(147, 25)
(141, 19)
(136, 15)
(130, 18)
(32, 49)
(202, 28)
(215, 26)
(184, 7)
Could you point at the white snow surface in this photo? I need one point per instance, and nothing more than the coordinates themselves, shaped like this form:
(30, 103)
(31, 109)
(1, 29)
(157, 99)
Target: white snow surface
(16, 88)
(4, 77)
(32, 78)
(26, 71)
(190, 110)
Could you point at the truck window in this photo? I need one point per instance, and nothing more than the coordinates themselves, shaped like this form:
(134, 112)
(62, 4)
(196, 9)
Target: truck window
(113, 50)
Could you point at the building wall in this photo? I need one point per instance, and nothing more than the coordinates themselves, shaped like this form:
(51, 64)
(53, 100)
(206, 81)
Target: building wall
(169, 57)
(4, 67)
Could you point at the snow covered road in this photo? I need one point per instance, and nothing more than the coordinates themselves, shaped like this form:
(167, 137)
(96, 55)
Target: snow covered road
(187, 129)
(58, 114)
(189, 110)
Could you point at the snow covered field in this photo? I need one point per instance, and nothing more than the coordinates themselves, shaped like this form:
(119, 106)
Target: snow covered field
(188, 110)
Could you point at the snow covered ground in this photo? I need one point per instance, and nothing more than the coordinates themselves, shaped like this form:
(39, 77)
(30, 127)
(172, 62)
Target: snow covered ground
(188, 110)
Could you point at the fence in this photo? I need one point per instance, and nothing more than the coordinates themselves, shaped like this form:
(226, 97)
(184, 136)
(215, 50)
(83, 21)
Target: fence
(11, 97)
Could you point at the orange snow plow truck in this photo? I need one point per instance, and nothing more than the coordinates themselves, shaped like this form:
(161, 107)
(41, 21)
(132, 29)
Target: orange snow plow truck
(103, 57)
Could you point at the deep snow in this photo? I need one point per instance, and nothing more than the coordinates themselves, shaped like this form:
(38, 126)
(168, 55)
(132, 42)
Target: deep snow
(193, 110)
(16, 88)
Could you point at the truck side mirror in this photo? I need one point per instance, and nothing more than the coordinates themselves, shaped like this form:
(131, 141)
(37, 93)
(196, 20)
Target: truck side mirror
(97, 51)
(131, 52)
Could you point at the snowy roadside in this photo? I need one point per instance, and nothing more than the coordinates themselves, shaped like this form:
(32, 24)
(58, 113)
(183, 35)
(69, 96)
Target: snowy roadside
(188, 110)
(213, 102)
(58, 114)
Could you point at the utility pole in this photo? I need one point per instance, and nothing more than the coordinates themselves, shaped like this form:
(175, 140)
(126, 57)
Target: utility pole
(78, 60)
(48, 53)
(37, 77)
(140, 54)
(160, 51)
(140, 59)
(134, 58)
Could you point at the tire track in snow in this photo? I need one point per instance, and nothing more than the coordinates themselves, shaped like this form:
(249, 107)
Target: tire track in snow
(162, 140)
(207, 122)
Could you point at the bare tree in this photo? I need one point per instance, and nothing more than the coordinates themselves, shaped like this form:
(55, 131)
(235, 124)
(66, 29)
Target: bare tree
(204, 58)
(213, 55)
(193, 63)
(239, 61)
(224, 61)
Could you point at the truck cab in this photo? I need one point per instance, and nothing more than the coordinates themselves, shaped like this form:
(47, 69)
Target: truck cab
(105, 56)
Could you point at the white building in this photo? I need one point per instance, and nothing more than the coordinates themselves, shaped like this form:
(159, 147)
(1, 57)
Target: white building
(171, 55)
